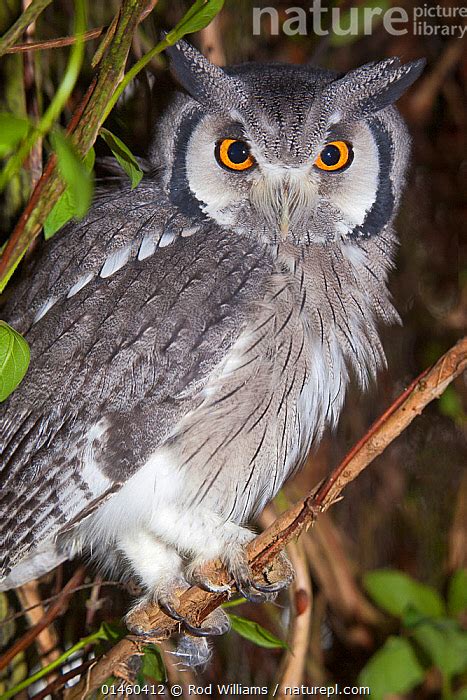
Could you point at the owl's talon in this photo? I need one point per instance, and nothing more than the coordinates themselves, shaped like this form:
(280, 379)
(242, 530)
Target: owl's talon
(277, 577)
(197, 579)
(170, 611)
(251, 593)
(269, 587)
(200, 631)
(216, 623)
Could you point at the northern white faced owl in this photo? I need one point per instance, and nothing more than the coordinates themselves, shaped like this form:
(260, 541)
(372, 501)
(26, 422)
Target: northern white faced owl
(191, 339)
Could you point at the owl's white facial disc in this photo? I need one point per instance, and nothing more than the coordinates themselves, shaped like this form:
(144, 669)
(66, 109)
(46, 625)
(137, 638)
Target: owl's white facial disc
(220, 194)
(286, 195)
(353, 193)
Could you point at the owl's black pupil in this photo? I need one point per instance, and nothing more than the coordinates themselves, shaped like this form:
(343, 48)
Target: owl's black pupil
(330, 155)
(238, 152)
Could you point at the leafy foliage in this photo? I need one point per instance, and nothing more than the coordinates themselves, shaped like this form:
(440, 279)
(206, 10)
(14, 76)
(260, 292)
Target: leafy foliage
(153, 666)
(107, 632)
(124, 156)
(395, 592)
(76, 199)
(14, 359)
(200, 14)
(428, 636)
(12, 130)
(393, 669)
(255, 633)
(457, 593)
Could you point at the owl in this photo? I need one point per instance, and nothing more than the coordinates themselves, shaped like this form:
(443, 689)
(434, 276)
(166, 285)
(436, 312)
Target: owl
(192, 338)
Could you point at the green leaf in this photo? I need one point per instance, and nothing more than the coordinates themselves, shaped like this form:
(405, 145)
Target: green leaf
(392, 669)
(65, 208)
(12, 130)
(111, 631)
(153, 665)
(124, 156)
(445, 644)
(14, 359)
(461, 694)
(255, 633)
(395, 592)
(197, 17)
(234, 603)
(61, 213)
(74, 172)
(457, 593)
(450, 404)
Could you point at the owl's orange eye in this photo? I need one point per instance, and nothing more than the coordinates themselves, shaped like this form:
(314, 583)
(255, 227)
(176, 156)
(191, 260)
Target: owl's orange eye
(234, 154)
(336, 155)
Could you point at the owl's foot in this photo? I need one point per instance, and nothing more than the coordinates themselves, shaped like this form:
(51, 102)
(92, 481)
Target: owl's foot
(256, 593)
(274, 578)
(214, 624)
(164, 595)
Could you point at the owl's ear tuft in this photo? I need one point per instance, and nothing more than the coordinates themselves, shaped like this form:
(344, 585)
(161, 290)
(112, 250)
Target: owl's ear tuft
(376, 85)
(204, 81)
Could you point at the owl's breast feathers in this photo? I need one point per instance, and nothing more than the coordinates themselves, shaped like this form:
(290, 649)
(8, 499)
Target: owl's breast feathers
(202, 340)
(284, 378)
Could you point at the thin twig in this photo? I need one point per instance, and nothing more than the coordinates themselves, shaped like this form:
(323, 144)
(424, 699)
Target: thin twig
(293, 663)
(32, 78)
(334, 575)
(58, 608)
(24, 20)
(68, 40)
(196, 604)
(46, 601)
(56, 43)
(421, 102)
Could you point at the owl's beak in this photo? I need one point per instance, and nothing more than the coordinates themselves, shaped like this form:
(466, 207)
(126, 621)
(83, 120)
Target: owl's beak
(285, 196)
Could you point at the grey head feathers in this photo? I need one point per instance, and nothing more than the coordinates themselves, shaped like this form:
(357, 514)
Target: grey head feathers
(286, 115)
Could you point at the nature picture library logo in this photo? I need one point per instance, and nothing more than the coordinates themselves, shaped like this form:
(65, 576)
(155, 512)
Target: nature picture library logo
(421, 20)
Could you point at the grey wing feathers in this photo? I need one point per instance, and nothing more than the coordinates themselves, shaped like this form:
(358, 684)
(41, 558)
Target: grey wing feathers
(115, 366)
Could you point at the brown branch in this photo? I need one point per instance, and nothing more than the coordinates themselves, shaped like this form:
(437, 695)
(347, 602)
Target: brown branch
(46, 640)
(196, 604)
(55, 43)
(56, 609)
(335, 575)
(421, 102)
